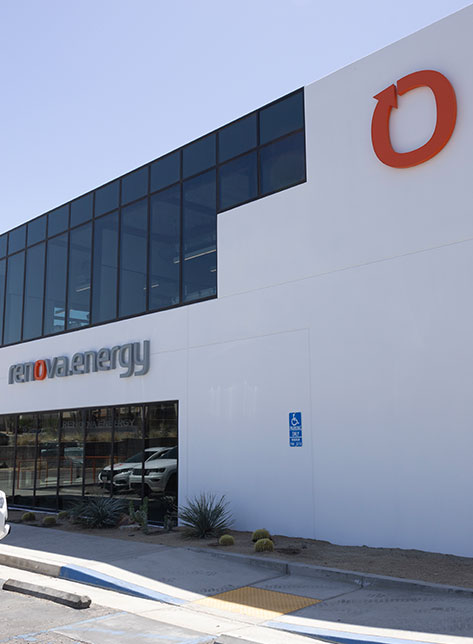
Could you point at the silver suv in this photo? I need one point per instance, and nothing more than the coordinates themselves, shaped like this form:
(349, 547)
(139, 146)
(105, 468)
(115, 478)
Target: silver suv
(122, 471)
(160, 474)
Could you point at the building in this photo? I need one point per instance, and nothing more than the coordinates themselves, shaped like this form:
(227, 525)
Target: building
(288, 309)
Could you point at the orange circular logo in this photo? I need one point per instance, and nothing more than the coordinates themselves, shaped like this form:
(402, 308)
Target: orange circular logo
(446, 117)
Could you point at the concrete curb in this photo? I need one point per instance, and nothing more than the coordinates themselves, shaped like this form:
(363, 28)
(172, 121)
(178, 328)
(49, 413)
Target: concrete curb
(362, 579)
(58, 596)
(88, 576)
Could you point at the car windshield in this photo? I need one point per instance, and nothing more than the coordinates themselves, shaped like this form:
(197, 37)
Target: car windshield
(158, 455)
(171, 453)
(136, 458)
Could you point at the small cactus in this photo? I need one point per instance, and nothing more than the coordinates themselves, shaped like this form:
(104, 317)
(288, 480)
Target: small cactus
(64, 514)
(49, 521)
(226, 540)
(264, 545)
(262, 533)
(28, 516)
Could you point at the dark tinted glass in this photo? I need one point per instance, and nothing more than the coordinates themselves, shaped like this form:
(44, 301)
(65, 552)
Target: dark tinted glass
(133, 247)
(281, 118)
(135, 185)
(3, 245)
(237, 138)
(78, 298)
(58, 220)
(37, 230)
(165, 171)
(34, 287)
(104, 289)
(106, 198)
(55, 290)
(282, 164)
(17, 239)
(199, 237)
(198, 156)
(3, 266)
(81, 209)
(164, 248)
(14, 298)
(238, 181)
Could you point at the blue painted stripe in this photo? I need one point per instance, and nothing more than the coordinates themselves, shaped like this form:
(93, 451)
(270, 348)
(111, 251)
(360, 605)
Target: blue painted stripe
(95, 578)
(340, 637)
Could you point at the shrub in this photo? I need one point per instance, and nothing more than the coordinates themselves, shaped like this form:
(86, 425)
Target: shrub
(49, 521)
(64, 514)
(205, 516)
(101, 512)
(140, 516)
(262, 533)
(226, 540)
(28, 516)
(264, 545)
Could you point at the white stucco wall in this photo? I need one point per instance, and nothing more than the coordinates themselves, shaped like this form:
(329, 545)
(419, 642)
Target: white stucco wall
(347, 298)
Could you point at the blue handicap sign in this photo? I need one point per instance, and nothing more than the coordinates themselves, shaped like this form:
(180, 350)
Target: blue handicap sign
(295, 429)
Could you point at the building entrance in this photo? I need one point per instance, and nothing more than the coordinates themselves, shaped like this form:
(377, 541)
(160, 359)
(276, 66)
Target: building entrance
(49, 460)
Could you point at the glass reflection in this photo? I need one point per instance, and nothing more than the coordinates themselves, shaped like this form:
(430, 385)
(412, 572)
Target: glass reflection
(7, 454)
(71, 457)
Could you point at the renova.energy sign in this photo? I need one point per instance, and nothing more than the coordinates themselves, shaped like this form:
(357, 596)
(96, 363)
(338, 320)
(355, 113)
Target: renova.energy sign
(133, 357)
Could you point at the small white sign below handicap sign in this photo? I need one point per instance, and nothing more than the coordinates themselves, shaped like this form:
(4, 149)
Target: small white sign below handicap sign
(295, 429)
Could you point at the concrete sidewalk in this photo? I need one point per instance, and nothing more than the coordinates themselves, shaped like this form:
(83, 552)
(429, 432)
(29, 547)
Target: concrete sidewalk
(316, 602)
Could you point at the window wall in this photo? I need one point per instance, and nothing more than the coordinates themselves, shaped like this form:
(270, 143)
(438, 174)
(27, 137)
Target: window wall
(50, 460)
(148, 240)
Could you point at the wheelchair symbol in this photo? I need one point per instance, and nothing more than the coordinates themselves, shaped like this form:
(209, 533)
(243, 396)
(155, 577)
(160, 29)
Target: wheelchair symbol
(294, 421)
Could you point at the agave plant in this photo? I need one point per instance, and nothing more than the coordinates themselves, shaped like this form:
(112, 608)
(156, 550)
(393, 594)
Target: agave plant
(206, 516)
(101, 512)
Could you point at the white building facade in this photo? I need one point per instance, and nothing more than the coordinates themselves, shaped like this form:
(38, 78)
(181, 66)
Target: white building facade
(345, 298)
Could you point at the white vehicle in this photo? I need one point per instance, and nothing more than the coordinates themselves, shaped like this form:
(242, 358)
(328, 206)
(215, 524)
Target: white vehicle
(160, 474)
(122, 471)
(4, 526)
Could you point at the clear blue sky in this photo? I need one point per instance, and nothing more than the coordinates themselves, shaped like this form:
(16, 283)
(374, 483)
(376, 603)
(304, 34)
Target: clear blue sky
(94, 88)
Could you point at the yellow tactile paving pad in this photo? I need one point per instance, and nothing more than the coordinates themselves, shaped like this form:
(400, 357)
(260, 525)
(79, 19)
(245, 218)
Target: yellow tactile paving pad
(257, 602)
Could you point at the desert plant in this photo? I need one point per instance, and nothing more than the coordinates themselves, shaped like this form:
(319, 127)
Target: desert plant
(140, 516)
(226, 540)
(64, 514)
(262, 533)
(28, 516)
(205, 515)
(264, 545)
(47, 522)
(101, 512)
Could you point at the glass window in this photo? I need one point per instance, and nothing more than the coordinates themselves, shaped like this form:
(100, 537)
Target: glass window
(3, 266)
(7, 453)
(26, 454)
(165, 171)
(37, 230)
(104, 290)
(199, 237)
(58, 220)
(238, 181)
(81, 209)
(135, 185)
(282, 117)
(133, 252)
(55, 298)
(98, 450)
(71, 456)
(198, 156)
(47, 428)
(17, 239)
(237, 138)
(3, 245)
(34, 287)
(282, 163)
(14, 298)
(78, 294)
(164, 248)
(106, 198)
